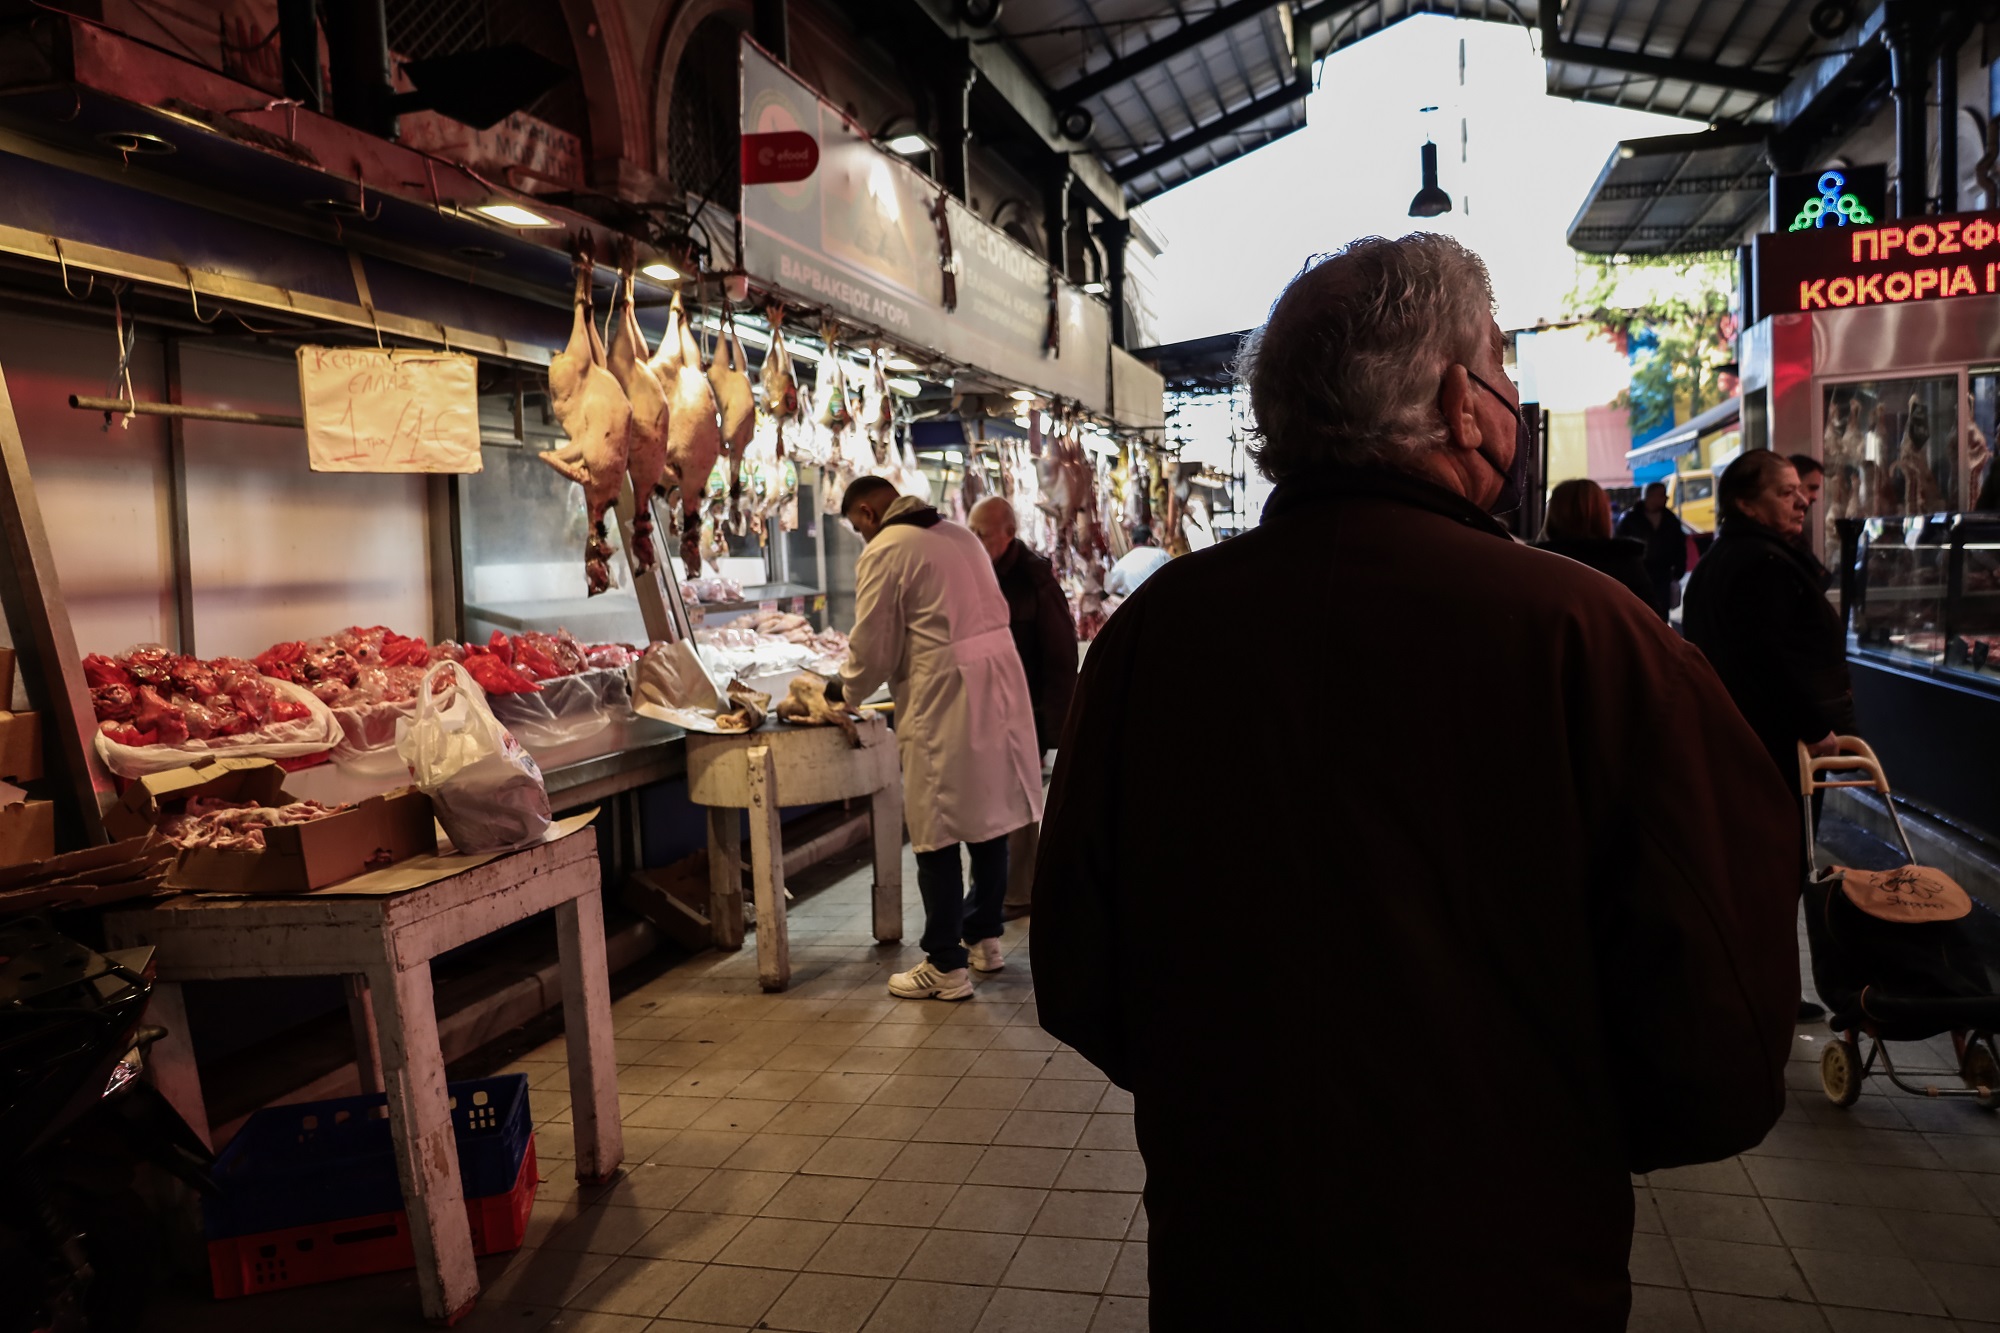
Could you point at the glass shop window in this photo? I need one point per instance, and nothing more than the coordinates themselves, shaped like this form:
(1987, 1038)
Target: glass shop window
(1984, 477)
(1975, 642)
(1890, 449)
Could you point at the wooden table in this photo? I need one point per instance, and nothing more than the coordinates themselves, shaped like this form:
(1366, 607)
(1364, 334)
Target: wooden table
(791, 765)
(383, 945)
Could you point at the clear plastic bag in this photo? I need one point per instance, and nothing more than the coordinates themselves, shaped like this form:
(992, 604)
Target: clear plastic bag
(488, 791)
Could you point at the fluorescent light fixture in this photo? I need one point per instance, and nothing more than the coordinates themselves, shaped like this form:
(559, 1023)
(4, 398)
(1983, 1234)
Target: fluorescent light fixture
(908, 388)
(1022, 421)
(1094, 288)
(902, 363)
(1024, 395)
(661, 272)
(513, 214)
(953, 456)
(909, 145)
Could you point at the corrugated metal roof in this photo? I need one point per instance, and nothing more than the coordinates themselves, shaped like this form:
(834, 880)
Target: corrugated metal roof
(1160, 122)
(1175, 119)
(1679, 194)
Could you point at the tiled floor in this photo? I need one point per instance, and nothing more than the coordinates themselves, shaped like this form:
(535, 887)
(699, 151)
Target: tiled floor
(832, 1160)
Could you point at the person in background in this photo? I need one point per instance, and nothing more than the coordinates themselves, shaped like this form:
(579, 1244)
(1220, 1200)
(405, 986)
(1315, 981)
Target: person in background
(1812, 483)
(929, 619)
(1757, 608)
(1618, 901)
(1136, 565)
(1045, 636)
(1578, 526)
(1659, 529)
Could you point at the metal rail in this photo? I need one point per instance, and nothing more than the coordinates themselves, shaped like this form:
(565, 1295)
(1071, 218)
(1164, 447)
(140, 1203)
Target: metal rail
(88, 403)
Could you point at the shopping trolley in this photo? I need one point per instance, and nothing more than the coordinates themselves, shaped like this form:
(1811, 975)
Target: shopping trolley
(1897, 955)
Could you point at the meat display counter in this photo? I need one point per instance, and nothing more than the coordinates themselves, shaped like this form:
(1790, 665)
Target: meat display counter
(1928, 595)
(1924, 658)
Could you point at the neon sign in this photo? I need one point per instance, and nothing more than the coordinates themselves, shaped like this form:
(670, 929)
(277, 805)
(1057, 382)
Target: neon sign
(1845, 264)
(1833, 202)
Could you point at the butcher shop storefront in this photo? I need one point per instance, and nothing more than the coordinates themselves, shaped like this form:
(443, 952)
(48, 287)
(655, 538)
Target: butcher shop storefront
(1877, 350)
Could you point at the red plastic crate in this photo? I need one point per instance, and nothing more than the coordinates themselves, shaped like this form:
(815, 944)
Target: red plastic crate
(378, 1243)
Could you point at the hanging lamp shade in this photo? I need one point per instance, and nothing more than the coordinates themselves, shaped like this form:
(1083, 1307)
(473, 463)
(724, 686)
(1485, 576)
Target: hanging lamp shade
(1430, 201)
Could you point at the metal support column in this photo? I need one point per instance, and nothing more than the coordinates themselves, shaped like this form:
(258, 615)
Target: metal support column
(1055, 217)
(1904, 31)
(177, 507)
(771, 26)
(1947, 128)
(954, 98)
(1115, 233)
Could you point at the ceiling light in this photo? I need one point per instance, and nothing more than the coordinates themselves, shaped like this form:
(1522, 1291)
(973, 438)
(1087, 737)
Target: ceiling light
(135, 141)
(1430, 201)
(902, 363)
(1022, 421)
(661, 272)
(513, 215)
(908, 388)
(1094, 288)
(1024, 395)
(909, 145)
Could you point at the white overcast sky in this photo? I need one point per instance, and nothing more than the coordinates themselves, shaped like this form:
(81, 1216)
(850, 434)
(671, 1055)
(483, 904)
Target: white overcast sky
(1237, 235)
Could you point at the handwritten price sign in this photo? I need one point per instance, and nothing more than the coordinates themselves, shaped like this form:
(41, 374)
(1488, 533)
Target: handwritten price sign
(374, 410)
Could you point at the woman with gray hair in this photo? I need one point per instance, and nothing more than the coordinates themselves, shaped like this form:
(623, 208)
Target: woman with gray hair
(1463, 809)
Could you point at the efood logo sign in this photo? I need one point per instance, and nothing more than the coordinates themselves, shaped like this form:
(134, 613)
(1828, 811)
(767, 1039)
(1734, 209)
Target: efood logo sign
(1844, 264)
(779, 157)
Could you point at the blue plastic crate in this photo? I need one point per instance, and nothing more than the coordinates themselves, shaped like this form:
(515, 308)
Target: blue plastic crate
(310, 1162)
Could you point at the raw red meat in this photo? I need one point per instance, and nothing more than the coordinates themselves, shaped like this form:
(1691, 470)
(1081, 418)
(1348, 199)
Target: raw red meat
(156, 715)
(114, 702)
(496, 676)
(100, 670)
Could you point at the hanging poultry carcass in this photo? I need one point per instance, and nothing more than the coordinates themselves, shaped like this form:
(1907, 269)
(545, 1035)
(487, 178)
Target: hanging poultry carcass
(647, 454)
(694, 430)
(729, 376)
(877, 418)
(781, 386)
(594, 412)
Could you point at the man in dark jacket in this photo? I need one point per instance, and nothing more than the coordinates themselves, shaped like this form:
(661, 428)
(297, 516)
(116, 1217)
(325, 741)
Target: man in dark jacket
(1476, 819)
(1651, 523)
(1045, 636)
(1044, 631)
(1757, 607)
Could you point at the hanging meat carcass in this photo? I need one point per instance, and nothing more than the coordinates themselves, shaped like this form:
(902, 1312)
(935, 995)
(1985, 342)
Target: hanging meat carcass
(594, 412)
(729, 376)
(648, 450)
(781, 386)
(694, 430)
(878, 410)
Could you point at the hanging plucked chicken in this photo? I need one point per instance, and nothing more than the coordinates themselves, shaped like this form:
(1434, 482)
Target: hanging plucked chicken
(595, 414)
(648, 452)
(781, 390)
(694, 431)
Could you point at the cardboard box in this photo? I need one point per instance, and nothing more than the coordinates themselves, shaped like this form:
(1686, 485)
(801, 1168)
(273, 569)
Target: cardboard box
(20, 746)
(27, 832)
(296, 858)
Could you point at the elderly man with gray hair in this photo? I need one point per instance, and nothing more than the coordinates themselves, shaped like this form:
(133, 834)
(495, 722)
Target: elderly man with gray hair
(1522, 941)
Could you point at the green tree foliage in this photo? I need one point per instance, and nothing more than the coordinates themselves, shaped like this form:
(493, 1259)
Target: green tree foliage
(1683, 302)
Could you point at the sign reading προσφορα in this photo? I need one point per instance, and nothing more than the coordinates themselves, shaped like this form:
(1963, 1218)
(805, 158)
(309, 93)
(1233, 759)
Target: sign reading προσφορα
(371, 409)
(1912, 259)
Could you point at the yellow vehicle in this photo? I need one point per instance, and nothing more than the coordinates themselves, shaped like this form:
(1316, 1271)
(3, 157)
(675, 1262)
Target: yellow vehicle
(1692, 496)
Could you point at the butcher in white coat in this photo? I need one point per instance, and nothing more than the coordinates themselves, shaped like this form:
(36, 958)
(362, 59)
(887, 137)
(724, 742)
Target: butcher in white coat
(930, 620)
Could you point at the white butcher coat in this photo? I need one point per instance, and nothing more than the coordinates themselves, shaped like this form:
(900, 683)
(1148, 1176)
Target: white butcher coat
(930, 620)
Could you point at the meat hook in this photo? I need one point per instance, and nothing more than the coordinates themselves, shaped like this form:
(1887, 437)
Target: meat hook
(195, 298)
(63, 264)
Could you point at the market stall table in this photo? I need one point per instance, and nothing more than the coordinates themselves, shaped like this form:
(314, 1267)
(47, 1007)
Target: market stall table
(795, 765)
(380, 931)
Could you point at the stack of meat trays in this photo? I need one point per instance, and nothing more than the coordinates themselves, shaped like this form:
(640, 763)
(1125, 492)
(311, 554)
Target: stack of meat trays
(308, 1192)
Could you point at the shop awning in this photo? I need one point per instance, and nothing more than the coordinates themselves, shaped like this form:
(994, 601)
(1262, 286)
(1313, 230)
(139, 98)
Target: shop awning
(1677, 194)
(1684, 438)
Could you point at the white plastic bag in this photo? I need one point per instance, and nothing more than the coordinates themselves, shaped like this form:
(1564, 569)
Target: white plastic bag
(487, 789)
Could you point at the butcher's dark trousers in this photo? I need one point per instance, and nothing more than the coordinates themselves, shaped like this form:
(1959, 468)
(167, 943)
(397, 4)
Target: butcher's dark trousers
(951, 919)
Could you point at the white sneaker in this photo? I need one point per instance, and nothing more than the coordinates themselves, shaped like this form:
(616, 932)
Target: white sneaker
(924, 982)
(986, 956)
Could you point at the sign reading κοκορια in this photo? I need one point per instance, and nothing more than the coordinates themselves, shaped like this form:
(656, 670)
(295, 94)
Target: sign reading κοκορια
(1911, 259)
